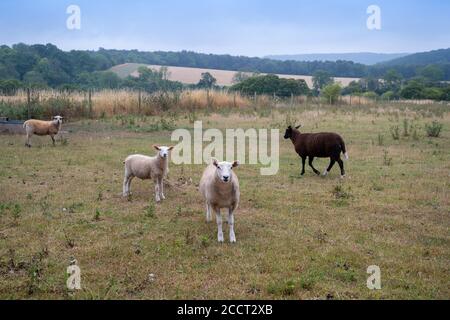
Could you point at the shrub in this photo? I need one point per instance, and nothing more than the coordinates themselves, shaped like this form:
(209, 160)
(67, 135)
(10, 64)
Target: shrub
(331, 92)
(380, 139)
(406, 127)
(150, 209)
(371, 95)
(271, 84)
(433, 129)
(387, 161)
(395, 132)
(388, 95)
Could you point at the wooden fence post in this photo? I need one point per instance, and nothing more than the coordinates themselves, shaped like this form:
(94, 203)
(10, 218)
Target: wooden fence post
(90, 103)
(28, 103)
(139, 101)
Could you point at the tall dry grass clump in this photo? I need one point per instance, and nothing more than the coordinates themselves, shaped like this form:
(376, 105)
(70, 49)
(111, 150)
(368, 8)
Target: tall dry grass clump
(115, 102)
(43, 104)
(106, 103)
(213, 100)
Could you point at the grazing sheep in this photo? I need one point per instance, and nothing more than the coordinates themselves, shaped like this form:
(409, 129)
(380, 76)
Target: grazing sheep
(321, 145)
(42, 128)
(145, 167)
(220, 188)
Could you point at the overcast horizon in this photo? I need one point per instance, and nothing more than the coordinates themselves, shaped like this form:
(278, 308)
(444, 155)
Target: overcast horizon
(253, 28)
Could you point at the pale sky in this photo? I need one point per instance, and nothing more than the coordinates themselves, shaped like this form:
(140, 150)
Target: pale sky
(237, 27)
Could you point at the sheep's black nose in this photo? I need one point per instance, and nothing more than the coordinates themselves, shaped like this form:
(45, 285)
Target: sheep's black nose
(225, 178)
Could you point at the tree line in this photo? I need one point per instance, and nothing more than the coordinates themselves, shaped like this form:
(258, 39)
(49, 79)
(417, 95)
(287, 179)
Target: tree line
(44, 66)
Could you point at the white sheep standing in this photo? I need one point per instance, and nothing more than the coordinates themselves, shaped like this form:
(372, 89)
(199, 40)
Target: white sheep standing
(42, 128)
(219, 186)
(145, 167)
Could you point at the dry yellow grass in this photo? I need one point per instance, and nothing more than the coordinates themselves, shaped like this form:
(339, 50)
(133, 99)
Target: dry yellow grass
(106, 103)
(121, 102)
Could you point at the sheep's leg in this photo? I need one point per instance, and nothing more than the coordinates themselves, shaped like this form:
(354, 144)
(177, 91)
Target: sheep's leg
(124, 188)
(27, 142)
(231, 223)
(219, 225)
(332, 162)
(157, 196)
(303, 165)
(341, 165)
(161, 189)
(208, 212)
(126, 185)
(311, 165)
(53, 139)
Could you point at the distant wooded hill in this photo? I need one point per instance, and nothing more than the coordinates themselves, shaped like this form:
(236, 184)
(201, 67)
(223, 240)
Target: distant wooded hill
(46, 65)
(441, 56)
(367, 58)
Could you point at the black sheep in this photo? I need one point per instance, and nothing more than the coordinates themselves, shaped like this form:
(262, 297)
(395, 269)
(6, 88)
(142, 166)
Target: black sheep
(321, 145)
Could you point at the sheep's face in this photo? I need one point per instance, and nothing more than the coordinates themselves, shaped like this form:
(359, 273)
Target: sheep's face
(58, 119)
(163, 151)
(288, 132)
(223, 169)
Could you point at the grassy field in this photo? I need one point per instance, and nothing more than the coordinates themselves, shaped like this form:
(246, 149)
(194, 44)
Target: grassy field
(297, 237)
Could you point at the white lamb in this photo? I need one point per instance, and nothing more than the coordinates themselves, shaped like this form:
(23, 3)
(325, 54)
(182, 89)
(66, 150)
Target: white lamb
(145, 167)
(219, 186)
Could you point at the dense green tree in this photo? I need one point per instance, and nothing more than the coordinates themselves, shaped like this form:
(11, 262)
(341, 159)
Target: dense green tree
(353, 88)
(331, 92)
(392, 80)
(321, 79)
(413, 90)
(272, 84)
(34, 77)
(9, 87)
(432, 73)
(432, 93)
(241, 76)
(207, 81)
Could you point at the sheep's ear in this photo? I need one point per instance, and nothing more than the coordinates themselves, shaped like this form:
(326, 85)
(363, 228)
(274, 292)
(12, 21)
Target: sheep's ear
(235, 164)
(215, 162)
(170, 148)
(298, 126)
(156, 147)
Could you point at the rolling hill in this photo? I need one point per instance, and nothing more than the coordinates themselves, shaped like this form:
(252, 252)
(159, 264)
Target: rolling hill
(367, 58)
(189, 75)
(441, 56)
